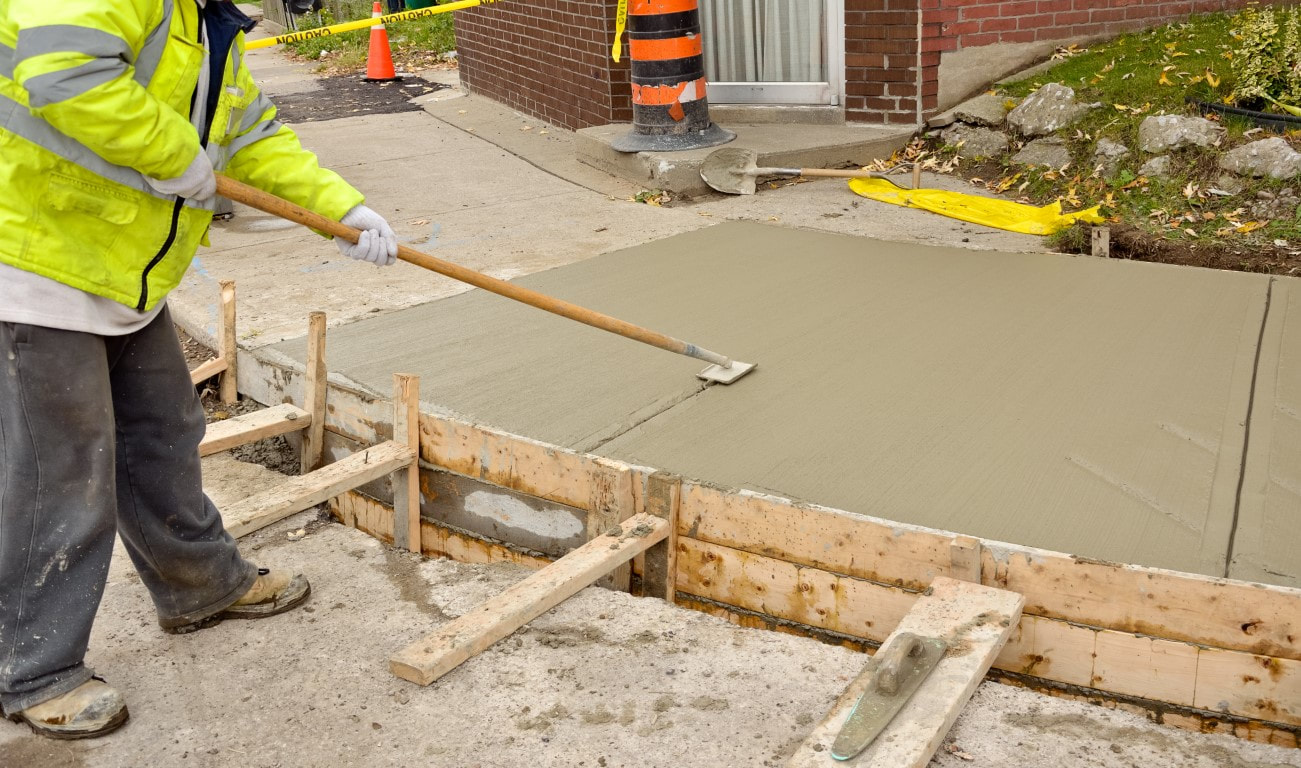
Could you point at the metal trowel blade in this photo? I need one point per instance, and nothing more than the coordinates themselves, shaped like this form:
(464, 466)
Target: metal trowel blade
(726, 375)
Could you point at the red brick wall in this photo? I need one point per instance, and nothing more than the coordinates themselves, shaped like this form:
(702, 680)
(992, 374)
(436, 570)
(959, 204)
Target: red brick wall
(881, 60)
(551, 58)
(547, 58)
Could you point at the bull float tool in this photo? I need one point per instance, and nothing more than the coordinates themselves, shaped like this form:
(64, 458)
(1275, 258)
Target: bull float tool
(722, 370)
(734, 170)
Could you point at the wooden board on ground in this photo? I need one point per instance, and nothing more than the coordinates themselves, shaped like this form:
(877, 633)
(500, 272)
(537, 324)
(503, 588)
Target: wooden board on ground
(442, 651)
(251, 427)
(975, 621)
(299, 493)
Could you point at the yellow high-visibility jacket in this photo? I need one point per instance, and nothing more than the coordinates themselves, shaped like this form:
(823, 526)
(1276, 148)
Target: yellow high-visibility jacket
(97, 94)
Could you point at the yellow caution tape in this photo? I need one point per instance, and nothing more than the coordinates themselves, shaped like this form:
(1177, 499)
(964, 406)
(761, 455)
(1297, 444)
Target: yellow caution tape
(349, 26)
(620, 24)
(992, 212)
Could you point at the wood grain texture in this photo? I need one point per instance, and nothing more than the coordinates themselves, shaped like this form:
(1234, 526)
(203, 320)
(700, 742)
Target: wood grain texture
(251, 427)
(443, 650)
(975, 621)
(299, 493)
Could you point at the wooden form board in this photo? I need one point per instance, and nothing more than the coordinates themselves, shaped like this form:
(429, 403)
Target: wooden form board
(1256, 624)
(1223, 613)
(299, 493)
(975, 621)
(437, 654)
(1186, 675)
(241, 430)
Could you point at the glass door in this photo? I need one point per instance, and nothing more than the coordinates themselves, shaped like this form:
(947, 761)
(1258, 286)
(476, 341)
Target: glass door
(773, 51)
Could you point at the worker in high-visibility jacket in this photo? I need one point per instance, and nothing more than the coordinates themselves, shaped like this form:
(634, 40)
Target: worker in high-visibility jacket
(113, 116)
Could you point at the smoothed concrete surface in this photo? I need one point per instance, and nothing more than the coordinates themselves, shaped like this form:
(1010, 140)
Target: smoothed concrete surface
(1267, 546)
(1087, 406)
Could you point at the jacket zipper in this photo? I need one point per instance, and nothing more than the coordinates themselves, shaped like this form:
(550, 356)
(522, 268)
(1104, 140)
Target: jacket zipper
(167, 244)
(176, 207)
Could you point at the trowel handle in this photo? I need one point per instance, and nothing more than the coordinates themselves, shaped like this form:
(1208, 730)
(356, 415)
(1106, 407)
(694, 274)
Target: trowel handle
(833, 173)
(269, 203)
(890, 661)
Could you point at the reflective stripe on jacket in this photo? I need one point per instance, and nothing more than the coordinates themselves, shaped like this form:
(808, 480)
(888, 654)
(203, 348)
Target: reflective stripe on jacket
(97, 94)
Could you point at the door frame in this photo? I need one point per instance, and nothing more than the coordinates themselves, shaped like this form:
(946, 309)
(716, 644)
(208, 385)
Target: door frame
(829, 93)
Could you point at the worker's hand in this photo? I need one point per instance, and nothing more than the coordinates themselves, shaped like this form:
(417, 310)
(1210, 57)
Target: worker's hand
(377, 243)
(197, 183)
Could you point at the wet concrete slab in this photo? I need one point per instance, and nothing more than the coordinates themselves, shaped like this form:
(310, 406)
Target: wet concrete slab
(1087, 406)
(1265, 547)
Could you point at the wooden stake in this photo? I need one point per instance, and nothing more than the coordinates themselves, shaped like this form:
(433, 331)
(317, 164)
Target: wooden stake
(917, 175)
(964, 559)
(453, 643)
(406, 482)
(658, 579)
(229, 349)
(1102, 242)
(314, 392)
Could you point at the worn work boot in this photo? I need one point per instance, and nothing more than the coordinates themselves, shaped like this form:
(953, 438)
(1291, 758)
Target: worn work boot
(273, 592)
(92, 709)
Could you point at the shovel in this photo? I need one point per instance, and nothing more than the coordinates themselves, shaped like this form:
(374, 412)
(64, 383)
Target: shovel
(723, 370)
(732, 170)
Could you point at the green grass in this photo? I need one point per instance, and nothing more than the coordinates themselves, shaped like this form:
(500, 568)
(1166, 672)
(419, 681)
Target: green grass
(1135, 76)
(414, 43)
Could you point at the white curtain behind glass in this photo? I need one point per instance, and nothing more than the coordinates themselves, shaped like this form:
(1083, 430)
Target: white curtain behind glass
(774, 41)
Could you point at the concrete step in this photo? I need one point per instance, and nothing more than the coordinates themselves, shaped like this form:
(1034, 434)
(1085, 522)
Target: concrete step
(783, 145)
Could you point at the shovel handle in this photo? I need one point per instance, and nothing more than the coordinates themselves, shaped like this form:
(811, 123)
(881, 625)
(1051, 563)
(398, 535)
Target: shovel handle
(269, 203)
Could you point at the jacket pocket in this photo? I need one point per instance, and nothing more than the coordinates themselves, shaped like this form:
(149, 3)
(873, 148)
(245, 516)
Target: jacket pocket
(80, 223)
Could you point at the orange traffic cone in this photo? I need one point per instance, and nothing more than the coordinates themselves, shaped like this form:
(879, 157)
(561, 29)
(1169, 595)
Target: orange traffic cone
(379, 62)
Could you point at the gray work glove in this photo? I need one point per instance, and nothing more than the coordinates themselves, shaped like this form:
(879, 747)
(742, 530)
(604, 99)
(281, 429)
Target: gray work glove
(197, 183)
(377, 243)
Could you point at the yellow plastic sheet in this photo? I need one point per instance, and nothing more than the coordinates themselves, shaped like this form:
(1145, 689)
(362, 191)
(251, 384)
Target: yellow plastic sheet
(992, 212)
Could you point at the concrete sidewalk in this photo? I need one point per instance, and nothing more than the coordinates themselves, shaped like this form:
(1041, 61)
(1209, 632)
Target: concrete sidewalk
(1098, 409)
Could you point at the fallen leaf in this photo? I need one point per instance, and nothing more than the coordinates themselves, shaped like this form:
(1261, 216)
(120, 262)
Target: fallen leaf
(1212, 79)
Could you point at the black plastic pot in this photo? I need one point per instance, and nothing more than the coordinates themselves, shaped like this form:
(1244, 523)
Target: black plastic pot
(1274, 122)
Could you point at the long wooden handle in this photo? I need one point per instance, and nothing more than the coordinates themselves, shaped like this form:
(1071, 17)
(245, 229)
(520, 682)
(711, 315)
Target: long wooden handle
(835, 173)
(269, 203)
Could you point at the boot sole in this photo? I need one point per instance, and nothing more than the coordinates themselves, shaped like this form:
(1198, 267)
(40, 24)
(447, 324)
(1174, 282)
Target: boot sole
(242, 612)
(117, 721)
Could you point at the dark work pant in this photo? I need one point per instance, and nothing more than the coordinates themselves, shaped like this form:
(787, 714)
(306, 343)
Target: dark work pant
(98, 434)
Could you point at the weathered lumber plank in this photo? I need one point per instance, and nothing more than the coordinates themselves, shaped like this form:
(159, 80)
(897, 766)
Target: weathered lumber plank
(406, 482)
(228, 347)
(315, 389)
(251, 427)
(299, 493)
(207, 370)
(1183, 674)
(975, 621)
(1223, 613)
(442, 651)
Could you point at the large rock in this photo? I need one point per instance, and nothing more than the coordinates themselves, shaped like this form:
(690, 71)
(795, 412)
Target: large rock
(975, 143)
(1162, 133)
(1051, 152)
(1108, 155)
(1051, 107)
(1274, 158)
(1156, 168)
(986, 109)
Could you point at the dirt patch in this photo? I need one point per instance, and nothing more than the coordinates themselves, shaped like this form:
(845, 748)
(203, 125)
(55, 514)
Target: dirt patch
(350, 96)
(274, 453)
(1130, 242)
